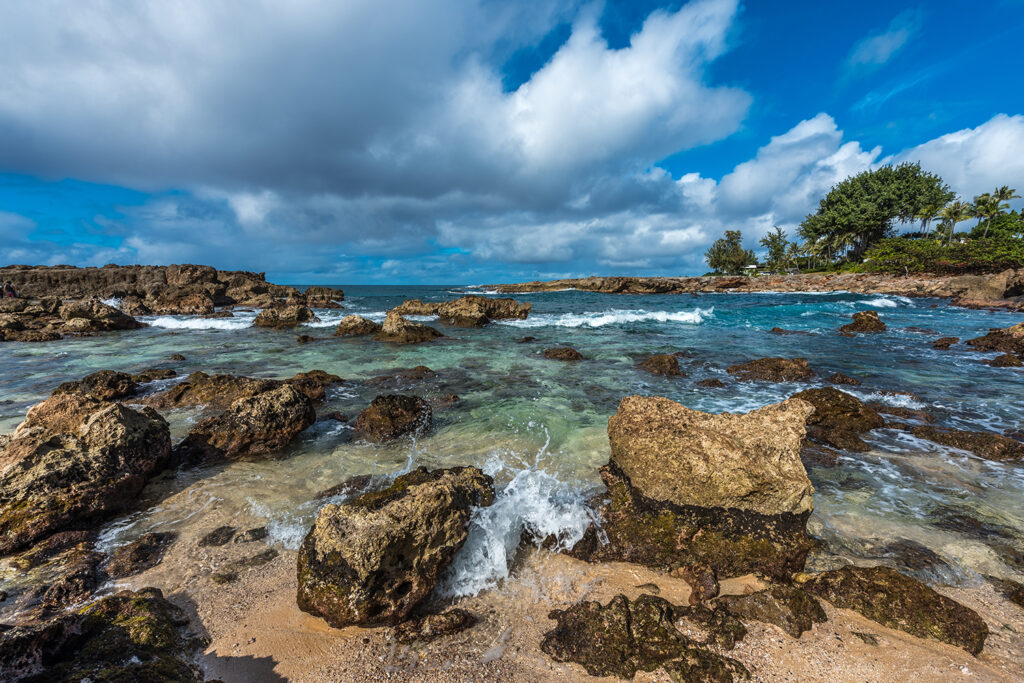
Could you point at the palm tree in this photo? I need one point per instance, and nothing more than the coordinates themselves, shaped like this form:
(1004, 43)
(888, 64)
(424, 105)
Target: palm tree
(1006, 194)
(988, 207)
(954, 213)
(926, 215)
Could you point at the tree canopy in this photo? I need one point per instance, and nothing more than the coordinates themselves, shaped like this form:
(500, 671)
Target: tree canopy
(727, 254)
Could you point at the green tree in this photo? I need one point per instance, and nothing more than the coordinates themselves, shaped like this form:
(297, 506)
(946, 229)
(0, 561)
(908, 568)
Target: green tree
(727, 254)
(987, 208)
(777, 243)
(955, 212)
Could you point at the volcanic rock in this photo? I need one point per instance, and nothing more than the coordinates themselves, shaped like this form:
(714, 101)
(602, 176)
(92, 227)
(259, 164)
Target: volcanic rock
(105, 385)
(864, 321)
(840, 378)
(391, 416)
(355, 326)
(667, 364)
(1006, 340)
(401, 331)
(563, 353)
(982, 444)
(773, 370)
(285, 316)
(839, 418)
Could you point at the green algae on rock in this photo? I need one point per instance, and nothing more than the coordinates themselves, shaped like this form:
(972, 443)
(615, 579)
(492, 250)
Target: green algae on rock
(982, 444)
(664, 364)
(839, 418)
(374, 560)
(791, 609)
(898, 601)
(391, 416)
(773, 370)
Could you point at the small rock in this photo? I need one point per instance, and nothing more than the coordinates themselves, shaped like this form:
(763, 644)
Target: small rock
(434, 626)
(563, 353)
(943, 343)
(139, 555)
(864, 321)
(391, 416)
(711, 383)
(218, 537)
(1007, 360)
(791, 609)
(527, 340)
(665, 364)
(702, 579)
(251, 535)
(773, 370)
(840, 378)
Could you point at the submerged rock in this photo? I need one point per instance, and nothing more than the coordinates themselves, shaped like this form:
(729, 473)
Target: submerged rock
(711, 383)
(702, 580)
(840, 378)
(624, 637)
(284, 316)
(665, 364)
(773, 370)
(892, 599)
(218, 537)
(839, 418)
(982, 444)
(73, 462)
(943, 343)
(153, 374)
(139, 555)
(791, 609)
(78, 575)
(251, 428)
(391, 416)
(398, 330)
(864, 321)
(374, 560)
(1007, 360)
(433, 626)
(563, 353)
(356, 326)
(128, 636)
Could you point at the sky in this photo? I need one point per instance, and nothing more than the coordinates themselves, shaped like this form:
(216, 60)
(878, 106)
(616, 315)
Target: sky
(478, 141)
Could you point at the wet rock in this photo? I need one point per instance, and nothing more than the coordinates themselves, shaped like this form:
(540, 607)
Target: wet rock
(840, 378)
(816, 455)
(357, 485)
(900, 602)
(251, 428)
(77, 578)
(218, 315)
(105, 385)
(176, 357)
(356, 326)
(391, 416)
(433, 626)
(676, 454)
(304, 339)
(791, 609)
(374, 560)
(100, 316)
(1011, 590)
(50, 546)
(398, 330)
(702, 580)
(781, 331)
(1007, 360)
(1006, 340)
(900, 411)
(624, 637)
(773, 370)
(400, 377)
(218, 537)
(563, 353)
(153, 374)
(711, 383)
(139, 555)
(866, 638)
(665, 364)
(73, 462)
(258, 560)
(416, 307)
(943, 343)
(476, 311)
(252, 535)
(128, 636)
(216, 391)
(285, 316)
(527, 340)
(313, 383)
(839, 418)
(982, 444)
(864, 321)
(223, 578)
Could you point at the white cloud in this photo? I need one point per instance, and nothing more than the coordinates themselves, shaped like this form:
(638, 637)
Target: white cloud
(876, 50)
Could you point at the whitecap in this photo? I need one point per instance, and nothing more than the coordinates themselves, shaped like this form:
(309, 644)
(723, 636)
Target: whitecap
(612, 317)
(892, 399)
(171, 322)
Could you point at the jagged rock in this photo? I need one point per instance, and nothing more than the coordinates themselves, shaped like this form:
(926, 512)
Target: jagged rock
(433, 626)
(100, 315)
(128, 636)
(324, 297)
(666, 364)
(864, 321)
(355, 326)
(892, 599)
(840, 378)
(153, 374)
(943, 343)
(816, 455)
(77, 577)
(218, 391)
(1007, 360)
(50, 546)
(73, 462)
(982, 444)
(357, 485)
(711, 383)
(313, 383)
(839, 418)
(683, 456)
(563, 353)
(902, 412)
(391, 416)
(416, 307)
(773, 370)
(401, 331)
(374, 560)
(141, 554)
(134, 306)
(285, 316)
(1006, 340)
(624, 637)
(252, 427)
(476, 311)
(1011, 590)
(190, 300)
(105, 385)
(791, 609)
(218, 537)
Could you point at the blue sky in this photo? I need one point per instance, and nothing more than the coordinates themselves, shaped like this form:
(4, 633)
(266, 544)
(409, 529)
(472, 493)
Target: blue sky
(398, 142)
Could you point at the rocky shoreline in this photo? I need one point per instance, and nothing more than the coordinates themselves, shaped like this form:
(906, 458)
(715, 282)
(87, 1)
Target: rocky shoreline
(1003, 290)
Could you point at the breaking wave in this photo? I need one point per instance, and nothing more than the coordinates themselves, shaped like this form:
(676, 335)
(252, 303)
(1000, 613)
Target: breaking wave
(613, 317)
(176, 323)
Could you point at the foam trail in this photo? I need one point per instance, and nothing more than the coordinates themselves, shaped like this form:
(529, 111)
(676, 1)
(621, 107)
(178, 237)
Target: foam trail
(612, 317)
(176, 323)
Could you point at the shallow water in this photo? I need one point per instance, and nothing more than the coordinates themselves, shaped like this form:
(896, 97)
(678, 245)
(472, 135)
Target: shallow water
(539, 425)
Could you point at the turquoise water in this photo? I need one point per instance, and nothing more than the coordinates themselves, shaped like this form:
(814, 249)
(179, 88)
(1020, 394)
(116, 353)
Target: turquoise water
(539, 425)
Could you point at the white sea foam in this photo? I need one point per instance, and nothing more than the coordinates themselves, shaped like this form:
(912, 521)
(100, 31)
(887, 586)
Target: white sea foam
(112, 301)
(173, 322)
(896, 400)
(534, 502)
(612, 317)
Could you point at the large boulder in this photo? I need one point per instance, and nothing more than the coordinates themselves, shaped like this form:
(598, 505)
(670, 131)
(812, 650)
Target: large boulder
(356, 326)
(101, 316)
(374, 560)
(684, 488)
(188, 301)
(128, 636)
(391, 416)
(1006, 340)
(313, 383)
(220, 391)
(839, 418)
(773, 370)
(864, 321)
(982, 444)
(475, 311)
(897, 601)
(401, 331)
(73, 462)
(284, 316)
(252, 427)
(417, 307)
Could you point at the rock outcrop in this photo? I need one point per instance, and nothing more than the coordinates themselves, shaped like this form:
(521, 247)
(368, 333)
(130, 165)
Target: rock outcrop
(398, 330)
(49, 319)
(839, 418)
(284, 316)
(728, 492)
(664, 364)
(391, 416)
(220, 391)
(74, 462)
(772, 370)
(324, 297)
(864, 321)
(374, 560)
(982, 444)
(356, 326)
(467, 311)
(1005, 340)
